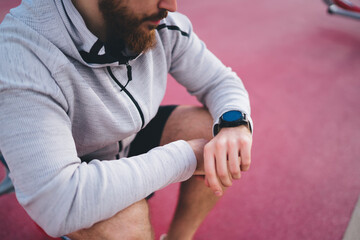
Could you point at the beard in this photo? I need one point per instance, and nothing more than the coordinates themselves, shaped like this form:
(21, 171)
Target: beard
(124, 28)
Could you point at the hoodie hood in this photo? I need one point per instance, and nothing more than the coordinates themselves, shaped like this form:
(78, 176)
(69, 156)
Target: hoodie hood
(72, 37)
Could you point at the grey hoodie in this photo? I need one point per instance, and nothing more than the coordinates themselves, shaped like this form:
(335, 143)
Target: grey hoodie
(64, 109)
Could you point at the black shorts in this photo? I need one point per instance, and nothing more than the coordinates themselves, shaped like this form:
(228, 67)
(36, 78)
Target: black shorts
(149, 137)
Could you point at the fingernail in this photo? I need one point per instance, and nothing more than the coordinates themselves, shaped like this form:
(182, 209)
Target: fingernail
(218, 193)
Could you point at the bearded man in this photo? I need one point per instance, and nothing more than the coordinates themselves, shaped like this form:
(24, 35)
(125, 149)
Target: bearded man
(82, 129)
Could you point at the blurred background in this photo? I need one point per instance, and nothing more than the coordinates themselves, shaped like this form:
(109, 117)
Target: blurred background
(301, 67)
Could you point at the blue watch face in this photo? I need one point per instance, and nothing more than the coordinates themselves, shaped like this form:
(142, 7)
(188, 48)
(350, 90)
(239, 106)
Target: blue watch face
(232, 116)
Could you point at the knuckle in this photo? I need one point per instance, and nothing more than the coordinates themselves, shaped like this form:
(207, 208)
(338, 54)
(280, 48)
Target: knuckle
(243, 141)
(235, 171)
(225, 180)
(213, 183)
(208, 147)
(238, 176)
(245, 138)
(232, 144)
(215, 188)
(220, 144)
(223, 176)
(227, 183)
(245, 166)
(246, 162)
(234, 164)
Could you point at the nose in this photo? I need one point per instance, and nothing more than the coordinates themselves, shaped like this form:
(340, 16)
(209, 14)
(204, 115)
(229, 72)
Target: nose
(169, 5)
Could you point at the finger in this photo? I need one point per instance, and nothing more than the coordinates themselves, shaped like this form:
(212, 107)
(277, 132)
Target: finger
(210, 171)
(230, 176)
(206, 182)
(221, 165)
(245, 154)
(234, 161)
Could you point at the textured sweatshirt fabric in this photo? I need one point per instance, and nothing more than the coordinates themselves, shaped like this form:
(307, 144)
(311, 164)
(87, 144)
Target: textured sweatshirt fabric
(63, 101)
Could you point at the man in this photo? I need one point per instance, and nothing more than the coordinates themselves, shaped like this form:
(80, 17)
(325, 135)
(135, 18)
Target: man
(81, 82)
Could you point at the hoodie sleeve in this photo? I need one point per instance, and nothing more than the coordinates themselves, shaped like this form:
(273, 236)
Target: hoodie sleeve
(57, 190)
(202, 73)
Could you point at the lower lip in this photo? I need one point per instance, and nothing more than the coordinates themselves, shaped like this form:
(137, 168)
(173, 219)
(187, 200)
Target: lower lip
(155, 22)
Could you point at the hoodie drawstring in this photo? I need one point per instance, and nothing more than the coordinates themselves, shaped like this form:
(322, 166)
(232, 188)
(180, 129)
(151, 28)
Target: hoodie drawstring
(129, 74)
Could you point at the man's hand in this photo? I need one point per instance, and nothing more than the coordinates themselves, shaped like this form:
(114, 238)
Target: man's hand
(225, 156)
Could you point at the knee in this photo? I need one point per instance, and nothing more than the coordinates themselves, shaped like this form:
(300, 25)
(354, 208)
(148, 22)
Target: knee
(131, 223)
(188, 122)
(137, 223)
(138, 232)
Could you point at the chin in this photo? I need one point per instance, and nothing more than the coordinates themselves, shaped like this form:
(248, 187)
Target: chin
(152, 27)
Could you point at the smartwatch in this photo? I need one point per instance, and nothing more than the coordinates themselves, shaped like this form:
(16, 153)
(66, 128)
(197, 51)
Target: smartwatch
(232, 119)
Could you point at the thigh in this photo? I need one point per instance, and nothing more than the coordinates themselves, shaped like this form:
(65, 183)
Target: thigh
(173, 123)
(130, 223)
(186, 123)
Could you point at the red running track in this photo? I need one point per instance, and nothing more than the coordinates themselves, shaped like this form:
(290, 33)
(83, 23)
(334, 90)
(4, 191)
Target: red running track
(301, 67)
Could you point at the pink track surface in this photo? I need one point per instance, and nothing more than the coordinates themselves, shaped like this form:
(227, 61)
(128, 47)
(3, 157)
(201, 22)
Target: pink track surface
(302, 70)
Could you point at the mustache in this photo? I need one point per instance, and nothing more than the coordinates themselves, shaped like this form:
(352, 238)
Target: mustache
(157, 16)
